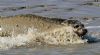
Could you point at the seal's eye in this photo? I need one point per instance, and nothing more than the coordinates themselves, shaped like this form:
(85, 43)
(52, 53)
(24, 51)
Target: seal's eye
(76, 26)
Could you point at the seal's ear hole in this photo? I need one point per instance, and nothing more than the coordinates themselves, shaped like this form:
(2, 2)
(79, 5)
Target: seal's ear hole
(76, 26)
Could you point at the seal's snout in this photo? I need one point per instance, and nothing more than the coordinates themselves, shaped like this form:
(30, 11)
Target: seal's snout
(81, 32)
(84, 31)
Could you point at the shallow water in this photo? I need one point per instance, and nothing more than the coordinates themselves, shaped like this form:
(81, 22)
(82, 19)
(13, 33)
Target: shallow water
(56, 8)
(84, 49)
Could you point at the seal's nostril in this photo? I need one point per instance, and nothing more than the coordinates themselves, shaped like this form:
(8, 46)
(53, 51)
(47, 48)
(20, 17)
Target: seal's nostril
(84, 31)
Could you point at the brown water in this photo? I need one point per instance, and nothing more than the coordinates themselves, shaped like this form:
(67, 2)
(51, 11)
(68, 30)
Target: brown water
(87, 13)
(87, 49)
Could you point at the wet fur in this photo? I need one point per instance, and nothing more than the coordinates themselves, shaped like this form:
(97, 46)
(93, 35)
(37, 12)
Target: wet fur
(20, 23)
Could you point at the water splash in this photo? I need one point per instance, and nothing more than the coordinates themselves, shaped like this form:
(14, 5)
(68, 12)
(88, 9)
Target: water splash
(59, 36)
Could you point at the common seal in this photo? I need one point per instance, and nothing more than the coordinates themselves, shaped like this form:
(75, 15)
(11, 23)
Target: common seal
(78, 27)
(48, 30)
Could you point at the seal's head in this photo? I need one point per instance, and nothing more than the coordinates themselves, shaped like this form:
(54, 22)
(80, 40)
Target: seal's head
(78, 27)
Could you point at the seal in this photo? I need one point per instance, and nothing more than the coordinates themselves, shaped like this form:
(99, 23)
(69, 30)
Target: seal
(47, 30)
